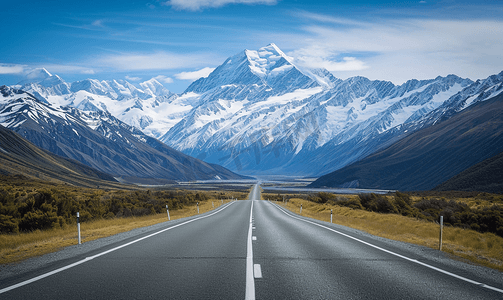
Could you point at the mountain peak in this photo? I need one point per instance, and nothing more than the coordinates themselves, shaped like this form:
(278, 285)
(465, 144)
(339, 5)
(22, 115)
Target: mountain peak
(39, 73)
(154, 87)
(35, 76)
(268, 61)
(267, 67)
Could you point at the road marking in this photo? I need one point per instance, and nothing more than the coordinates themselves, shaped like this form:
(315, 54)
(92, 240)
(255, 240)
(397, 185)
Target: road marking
(392, 253)
(108, 251)
(250, 280)
(254, 238)
(257, 271)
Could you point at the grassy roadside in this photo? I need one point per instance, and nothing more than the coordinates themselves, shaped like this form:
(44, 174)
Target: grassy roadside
(481, 248)
(17, 247)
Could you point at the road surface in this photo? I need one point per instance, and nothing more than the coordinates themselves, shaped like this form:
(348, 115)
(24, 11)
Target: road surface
(254, 250)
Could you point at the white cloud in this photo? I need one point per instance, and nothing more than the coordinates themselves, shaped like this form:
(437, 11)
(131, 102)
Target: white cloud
(132, 78)
(194, 75)
(346, 64)
(11, 69)
(320, 57)
(399, 50)
(87, 71)
(164, 79)
(154, 61)
(195, 5)
(66, 69)
(98, 23)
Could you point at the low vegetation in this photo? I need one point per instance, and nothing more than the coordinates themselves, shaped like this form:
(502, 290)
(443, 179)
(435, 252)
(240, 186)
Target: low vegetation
(29, 205)
(484, 214)
(413, 217)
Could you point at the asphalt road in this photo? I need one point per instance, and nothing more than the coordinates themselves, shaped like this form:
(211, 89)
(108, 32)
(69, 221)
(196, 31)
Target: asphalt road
(255, 250)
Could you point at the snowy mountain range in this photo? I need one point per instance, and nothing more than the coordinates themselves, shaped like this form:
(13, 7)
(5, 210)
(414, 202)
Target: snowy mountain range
(260, 113)
(101, 141)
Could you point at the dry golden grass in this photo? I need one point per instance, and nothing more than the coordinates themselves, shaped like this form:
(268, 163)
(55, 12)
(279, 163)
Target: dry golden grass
(481, 248)
(18, 247)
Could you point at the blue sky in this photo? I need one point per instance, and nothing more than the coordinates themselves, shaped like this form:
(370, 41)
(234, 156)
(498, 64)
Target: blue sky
(178, 40)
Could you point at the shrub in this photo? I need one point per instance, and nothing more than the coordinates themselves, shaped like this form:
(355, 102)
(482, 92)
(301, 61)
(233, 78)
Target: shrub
(403, 204)
(351, 203)
(377, 203)
(39, 220)
(8, 224)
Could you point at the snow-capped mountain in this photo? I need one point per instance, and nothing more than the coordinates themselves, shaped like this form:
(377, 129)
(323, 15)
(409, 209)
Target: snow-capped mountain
(267, 70)
(143, 106)
(260, 113)
(99, 140)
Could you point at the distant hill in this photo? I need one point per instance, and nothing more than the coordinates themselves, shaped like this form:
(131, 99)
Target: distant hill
(486, 176)
(430, 156)
(18, 157)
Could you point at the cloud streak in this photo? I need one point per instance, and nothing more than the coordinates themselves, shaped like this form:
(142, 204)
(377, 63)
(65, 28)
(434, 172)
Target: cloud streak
(163, 79)
(11, 69)
(152, 61)
(401, 49)
(133, 78)
(194, 75)
(195, 5)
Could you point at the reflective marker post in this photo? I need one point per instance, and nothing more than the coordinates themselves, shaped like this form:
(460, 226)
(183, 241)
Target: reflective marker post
(168, 212)
(301, 209)
(441, 231)
(198, 207)
(78, 226)
(331, 213)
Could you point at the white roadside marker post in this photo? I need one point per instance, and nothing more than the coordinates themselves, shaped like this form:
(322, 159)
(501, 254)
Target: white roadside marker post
(167, 210)
(441, 231)
(212, 204)
(78, 226)
(301, 209)
(197, 207)
(331, 213)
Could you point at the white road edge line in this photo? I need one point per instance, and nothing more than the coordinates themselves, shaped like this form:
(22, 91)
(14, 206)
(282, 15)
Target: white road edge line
(106, 252)
(250, 279)
(393, 253)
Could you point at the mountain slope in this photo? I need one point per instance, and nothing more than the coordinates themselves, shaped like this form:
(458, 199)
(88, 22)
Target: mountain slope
(486, 176)
(99, 140)
(20, 157)
(430, 156)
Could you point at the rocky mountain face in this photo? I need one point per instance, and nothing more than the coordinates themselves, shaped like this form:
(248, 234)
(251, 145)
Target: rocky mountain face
(260, 113)
(436, 154)
(19, 157)
(101, 141)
